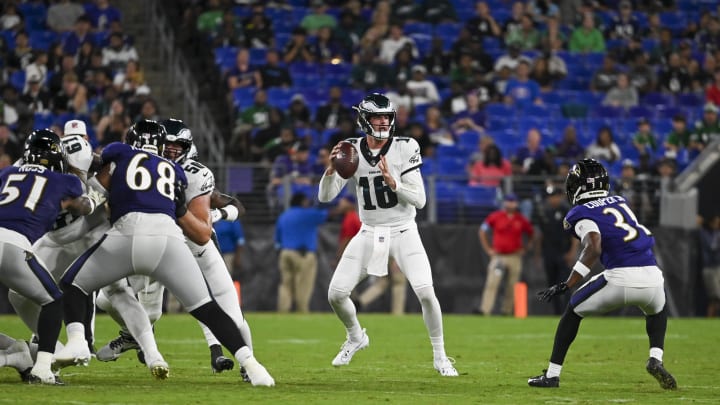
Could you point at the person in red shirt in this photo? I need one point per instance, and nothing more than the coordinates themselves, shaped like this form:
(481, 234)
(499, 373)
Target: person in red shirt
(508, 226)
(712, 94)
(396, 280)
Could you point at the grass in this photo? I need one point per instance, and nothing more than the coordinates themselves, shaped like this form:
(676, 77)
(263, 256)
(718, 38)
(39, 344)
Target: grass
(495, 356)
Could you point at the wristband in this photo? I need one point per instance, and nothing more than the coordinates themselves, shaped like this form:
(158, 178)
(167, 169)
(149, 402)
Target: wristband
(215, 215)
(230, 212)
(581, 268)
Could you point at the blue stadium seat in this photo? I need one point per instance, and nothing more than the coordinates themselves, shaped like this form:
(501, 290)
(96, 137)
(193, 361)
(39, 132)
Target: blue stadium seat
(225, 56)
(428, 167)
(499, 109)
(243, 97)
(257, 56)
(689, 100)
(674, 21)
(34, 14)
(41, 121)
(480, 196)
(468, 140)
(605, 111)
(640, 111)
(448, 29)
(655, 99)
(454, 151)
(42, 39)
(447, 194)
(452, 167)
(17, 80)
(417, 28)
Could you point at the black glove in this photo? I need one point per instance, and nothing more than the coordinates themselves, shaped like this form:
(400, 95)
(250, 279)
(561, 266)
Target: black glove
(180, 208)
(548, 293)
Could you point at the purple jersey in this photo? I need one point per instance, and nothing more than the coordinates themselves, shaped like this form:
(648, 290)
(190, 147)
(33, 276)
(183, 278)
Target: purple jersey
(30, 197)
(141, 181)
(625, 242)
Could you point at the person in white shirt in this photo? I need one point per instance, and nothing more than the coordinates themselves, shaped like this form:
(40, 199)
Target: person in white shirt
(423, 90)
(395, 41)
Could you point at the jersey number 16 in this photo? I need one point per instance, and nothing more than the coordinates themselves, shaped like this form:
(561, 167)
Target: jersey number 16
(386, 198)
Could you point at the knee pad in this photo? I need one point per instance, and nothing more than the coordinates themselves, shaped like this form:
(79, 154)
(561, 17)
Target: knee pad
(336, 296)
(425, 294)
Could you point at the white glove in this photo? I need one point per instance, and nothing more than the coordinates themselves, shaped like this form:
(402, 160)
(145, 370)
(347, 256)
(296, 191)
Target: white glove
(96, 198)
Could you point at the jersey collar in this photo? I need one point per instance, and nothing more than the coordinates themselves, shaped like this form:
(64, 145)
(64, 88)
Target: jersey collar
(367, 153)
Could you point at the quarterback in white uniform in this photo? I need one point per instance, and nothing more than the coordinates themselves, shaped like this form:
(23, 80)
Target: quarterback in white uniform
(71, 235)
(389, 190)
(201, 183)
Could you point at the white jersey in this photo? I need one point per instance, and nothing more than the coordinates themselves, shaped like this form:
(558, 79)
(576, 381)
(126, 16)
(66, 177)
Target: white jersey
(378, 204)
(79, 153)
(201, 181)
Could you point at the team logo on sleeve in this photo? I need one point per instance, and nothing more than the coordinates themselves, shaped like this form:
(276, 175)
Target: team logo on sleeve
(566, 224)
(209, 184)
(414, 159)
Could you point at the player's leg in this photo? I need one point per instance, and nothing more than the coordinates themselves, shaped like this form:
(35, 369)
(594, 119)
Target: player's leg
(652, 302)
(177, 270)
(347, 276)
(513, 264)
(29, 277)
(27, 310)
(285, 291)
(492, 283)
(409, 252)
(595, 297)
(304, 283)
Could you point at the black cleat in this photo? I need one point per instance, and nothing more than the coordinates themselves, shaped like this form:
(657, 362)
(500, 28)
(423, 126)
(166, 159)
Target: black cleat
(218, 362)
(25, 374)
(33, 379)
(543, 381)
(244, 375)
(656, 369)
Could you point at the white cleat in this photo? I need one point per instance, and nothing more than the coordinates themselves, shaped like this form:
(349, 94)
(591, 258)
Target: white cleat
(258, 375)
(445, 367)
(349, 348)
(75, 353)
(159, 369)
(19, 357)
(45, 377)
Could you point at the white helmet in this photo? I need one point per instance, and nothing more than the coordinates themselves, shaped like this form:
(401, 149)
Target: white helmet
(375, 104)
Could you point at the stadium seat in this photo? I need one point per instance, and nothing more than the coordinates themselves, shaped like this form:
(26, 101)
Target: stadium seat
(428, 167)
(42, 39)
(448, 29)
(17, 80)
(454, 151)
(689, 100)
(243, 97)
(606, 111)
(640, 112)
(478, 202)
(41, 121)
(452, 168)
(656, 99)
(417, 28)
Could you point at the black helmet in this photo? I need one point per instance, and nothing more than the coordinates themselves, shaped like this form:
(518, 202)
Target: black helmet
(147, 135)
(179, 133)
(375, 104)
(44, 147)
(588, 179)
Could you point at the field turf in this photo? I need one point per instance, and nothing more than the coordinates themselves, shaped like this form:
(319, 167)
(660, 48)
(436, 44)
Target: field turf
(495, 356)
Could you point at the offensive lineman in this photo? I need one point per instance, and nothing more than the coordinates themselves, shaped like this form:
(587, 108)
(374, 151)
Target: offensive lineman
(389, 189)
(608, 230)
(146, 196)
(198, 231)
(31, 198)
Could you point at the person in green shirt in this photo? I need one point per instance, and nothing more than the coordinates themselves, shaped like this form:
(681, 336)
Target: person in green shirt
(587, 38)
(319, 18)
(211, 19)
(525, 34)
(706, 130)
(645, 140)
(678, 138)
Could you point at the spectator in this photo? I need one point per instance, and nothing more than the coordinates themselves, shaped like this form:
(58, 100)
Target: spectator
(604, 147)
(296, 236)
(211, 17)
(258, 28)
(491, 169)
(642, 76)
(79, 35)
(678, 139)
(67, 65)
(401, 96)
(710, 247)
(645, 141)
(402, 66)
(587, 38)
(396, 41)
(72, 98)
(8, 103)
(515, 21)
(654, 28)
(130, 80)
(541, 75)
(522, 91)
(623, 94)
(569, 147)
(418, 132)
(318, 18)
(231, 241)
(327, 49)
(511, 59)
(402, 120)
(369, 74)
(706, 130)
(525, 35)
(349, 30)
(405, 11)
(438, 11)
(472, 118)
(230, 32)
(243, 74)
(148, 110)
(624, 25)
(673, 77)
(558, 247)
(628, 50)
(423, 91)
(298, 114)
(556, 65)
(62, 15)
(322, 160)
(508, 226)
(87, 60)
(102, 14)
(463, 73)
(254, 117)
(118, 54)
(329, 114)
(553, 34)
(438, 61)
(543, 10)
(112, 127)
(5, 160)
(712, 93)
(437, 128)
(483, 24)
(295, 165)
(36, 98)
(272, 74)
(22, 55)
(708, 40)
(298, 49)
(479, 154)
(659, 54)
(37, 69)
(346, 129)
(606, 77)
(10, 20)
(10, 144)
(696, 77)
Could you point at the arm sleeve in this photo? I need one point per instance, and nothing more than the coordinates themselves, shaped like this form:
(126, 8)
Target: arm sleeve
(585, 226)
(410, 188)
(330, 187)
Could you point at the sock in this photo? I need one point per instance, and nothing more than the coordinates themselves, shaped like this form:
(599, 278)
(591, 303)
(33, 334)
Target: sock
(246, 335)
(655, 327)
(345, 310)
(146, 341)
(553, 370)
(657, 353)
(209, 337)
(355, 333)
(222, 326)
(432, 316)
(43, 362)
(75, 331)
(216, 351)
(49, 325)
(564, 335)
(243, 354)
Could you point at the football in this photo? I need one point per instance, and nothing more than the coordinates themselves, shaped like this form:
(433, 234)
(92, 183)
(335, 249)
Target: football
(346, 161)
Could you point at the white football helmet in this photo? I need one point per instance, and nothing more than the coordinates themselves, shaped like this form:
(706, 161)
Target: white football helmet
(375, 104)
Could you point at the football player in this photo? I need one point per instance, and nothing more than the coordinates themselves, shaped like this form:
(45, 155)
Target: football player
(146, 196)
(199, 195)
(609, 231)
(71, 234)
(31, 197)
(389, 189)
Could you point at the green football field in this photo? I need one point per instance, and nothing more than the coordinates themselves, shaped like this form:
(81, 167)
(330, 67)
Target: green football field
(495, 356)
